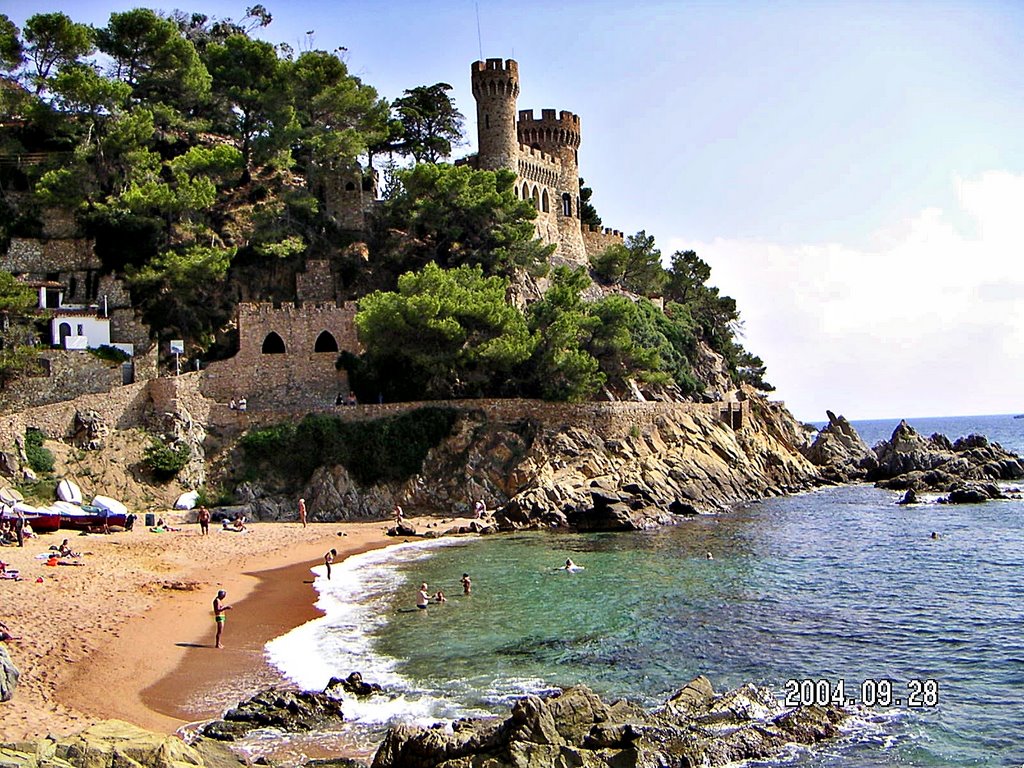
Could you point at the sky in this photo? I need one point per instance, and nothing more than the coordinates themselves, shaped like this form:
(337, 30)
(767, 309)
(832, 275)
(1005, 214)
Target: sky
(852, 171)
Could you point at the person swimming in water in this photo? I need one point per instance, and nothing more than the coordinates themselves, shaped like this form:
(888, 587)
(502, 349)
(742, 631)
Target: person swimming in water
(571, 566)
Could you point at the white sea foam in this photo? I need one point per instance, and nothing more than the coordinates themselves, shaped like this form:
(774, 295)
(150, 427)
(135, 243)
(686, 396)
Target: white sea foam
(355, 603)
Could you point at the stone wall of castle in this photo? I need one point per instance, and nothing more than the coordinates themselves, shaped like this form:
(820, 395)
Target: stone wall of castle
(39, 256)
(316, 283)
(70, 375)
(286, 356)
(611, 419)
(596, 239)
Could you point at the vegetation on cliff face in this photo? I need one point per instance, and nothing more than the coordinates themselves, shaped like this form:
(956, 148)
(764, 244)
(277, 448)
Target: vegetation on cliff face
(199, 158)
(387, 449)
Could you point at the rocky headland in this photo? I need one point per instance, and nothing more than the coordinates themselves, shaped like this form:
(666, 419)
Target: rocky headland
(968, 469)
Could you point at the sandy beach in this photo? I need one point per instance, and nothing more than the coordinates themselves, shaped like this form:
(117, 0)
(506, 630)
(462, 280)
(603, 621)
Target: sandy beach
(130, 634)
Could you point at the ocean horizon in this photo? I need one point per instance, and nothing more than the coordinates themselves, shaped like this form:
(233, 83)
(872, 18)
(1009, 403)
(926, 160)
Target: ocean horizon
(836, 584)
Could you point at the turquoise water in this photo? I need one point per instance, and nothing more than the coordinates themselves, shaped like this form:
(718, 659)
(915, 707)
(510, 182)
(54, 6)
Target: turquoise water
(835, 584)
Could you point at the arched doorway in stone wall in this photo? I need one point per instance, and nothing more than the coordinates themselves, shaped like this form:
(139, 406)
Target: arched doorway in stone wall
(325, 342)
(273, 344)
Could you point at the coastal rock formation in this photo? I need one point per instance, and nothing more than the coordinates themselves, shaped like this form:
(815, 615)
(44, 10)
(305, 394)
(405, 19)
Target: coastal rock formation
(9, 675)
(271, 708)
(353, 684)
(910, 461)
(594, 466)
(115, 744)
(840, 452)
(695, 727)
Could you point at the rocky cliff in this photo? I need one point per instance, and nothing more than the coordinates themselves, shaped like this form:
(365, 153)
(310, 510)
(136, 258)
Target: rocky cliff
(608, 466)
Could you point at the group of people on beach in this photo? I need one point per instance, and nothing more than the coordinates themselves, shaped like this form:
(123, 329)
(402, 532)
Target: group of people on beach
(15, 530)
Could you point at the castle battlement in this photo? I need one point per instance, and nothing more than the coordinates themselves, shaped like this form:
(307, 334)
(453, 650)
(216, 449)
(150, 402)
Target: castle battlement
(285, 309)
(510, 66)
(565, 118)
(540, 156)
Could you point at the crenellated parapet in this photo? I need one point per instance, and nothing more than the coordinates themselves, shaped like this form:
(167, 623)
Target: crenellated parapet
(541, 171)
(495, 77)
(550, 131)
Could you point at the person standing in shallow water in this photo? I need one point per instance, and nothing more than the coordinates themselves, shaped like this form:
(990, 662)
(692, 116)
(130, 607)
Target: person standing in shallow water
(219, 616)
(467, 584)
(328, 559)
(422, 597)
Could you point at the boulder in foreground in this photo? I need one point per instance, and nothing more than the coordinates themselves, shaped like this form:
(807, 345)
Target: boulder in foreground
(695, 727)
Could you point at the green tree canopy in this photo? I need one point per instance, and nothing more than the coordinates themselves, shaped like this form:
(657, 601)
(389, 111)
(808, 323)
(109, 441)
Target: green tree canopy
(455, 215)
(339, 115)
(11, 52)
(443, 333)
(686, 276)
(152, 56)
(53, 41)
(248, 82)
(431, 124)
(634, 265)
(588, 213)
(562, 368)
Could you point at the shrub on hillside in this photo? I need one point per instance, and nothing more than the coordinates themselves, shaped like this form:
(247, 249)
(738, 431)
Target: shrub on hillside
(39, 457)
(164, 461)
(388, 449)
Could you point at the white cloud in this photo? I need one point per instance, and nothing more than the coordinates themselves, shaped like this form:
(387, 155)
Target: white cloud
(927, 321)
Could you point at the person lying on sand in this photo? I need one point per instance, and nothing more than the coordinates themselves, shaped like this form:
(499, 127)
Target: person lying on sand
(6, 573)
(5, 633)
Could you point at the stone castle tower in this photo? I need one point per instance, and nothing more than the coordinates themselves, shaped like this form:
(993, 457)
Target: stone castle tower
(542, 152)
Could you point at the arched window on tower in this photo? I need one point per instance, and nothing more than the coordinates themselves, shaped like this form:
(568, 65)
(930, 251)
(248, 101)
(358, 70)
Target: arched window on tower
(536, 198)
(325, 342)
(273, 344)
(350, 186)
(566, 204)
(544, 202)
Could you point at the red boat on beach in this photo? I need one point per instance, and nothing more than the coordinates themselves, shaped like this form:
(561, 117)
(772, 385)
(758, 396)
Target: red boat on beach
(42, 519)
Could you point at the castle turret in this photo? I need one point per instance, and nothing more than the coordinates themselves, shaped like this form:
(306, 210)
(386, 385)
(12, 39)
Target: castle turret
(559, 135)
(495, 88)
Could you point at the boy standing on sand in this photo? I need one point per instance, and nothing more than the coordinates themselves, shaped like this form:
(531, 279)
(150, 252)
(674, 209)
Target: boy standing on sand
(218, 614)
(204, 521)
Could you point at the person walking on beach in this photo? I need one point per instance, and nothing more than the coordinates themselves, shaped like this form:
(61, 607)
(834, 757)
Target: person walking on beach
(218, 614)
(204, 521)
(467, 584)
(302, 512)
(422, 597)
(328, 559)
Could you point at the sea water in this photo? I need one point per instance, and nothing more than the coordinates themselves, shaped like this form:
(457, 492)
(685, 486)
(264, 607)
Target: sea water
(840, 584)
